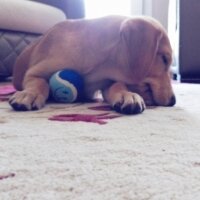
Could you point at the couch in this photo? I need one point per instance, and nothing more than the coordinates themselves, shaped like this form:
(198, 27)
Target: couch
(184, 31)
(22, 21)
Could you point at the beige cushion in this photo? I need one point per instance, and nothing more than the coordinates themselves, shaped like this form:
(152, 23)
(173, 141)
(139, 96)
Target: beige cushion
(28, 16)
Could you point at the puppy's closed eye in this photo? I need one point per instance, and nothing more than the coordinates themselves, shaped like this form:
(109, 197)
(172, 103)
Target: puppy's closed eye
(165, 60)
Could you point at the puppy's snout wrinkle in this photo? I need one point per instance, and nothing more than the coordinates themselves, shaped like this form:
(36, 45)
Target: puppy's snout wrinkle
(172, 101)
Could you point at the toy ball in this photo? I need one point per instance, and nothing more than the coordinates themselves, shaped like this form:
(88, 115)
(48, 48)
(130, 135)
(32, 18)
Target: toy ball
(66, 86)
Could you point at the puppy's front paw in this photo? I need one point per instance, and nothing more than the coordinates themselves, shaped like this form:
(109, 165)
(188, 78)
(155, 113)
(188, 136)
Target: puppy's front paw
(24, 101)
(128, 103)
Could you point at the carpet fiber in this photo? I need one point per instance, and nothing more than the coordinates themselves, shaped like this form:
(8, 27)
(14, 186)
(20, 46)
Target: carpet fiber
(152, 156)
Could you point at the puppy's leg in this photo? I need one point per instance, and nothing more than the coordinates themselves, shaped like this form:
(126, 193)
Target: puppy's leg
(122, 100)
(33, 96)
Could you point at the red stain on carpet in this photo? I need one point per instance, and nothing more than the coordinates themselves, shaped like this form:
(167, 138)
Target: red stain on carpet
(95, 118)
(7, 176)
(5, 91)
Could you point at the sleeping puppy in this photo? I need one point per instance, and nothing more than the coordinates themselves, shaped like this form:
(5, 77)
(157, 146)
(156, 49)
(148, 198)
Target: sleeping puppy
(128, 59)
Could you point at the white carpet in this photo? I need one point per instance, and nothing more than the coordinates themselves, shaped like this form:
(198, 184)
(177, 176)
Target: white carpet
(152, 156)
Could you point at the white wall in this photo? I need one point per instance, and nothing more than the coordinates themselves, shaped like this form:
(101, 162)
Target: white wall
(160, 11)
(99, 8)
(155, 8)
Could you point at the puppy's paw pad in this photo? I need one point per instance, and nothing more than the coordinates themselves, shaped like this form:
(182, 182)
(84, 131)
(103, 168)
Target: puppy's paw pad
(24, 101)
(132, 109)
(130, 103)
(18, 107)
(129, 109)
(117, 106)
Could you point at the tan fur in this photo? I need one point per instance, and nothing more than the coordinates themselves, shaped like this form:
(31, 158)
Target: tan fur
(127, 59)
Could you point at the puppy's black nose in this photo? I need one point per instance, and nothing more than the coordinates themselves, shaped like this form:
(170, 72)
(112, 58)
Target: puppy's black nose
(172, 101)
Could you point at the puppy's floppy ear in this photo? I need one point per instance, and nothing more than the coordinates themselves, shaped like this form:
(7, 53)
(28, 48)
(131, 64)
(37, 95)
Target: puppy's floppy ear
(142, 40)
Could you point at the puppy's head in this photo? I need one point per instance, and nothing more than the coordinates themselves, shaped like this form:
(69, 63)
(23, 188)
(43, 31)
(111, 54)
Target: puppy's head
(150, 57)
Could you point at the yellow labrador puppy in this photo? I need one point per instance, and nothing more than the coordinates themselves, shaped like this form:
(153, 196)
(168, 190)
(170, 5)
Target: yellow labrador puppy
(128, 59)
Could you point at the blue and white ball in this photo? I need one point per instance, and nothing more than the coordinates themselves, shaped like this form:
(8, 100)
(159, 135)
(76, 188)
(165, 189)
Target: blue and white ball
(66, 86)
